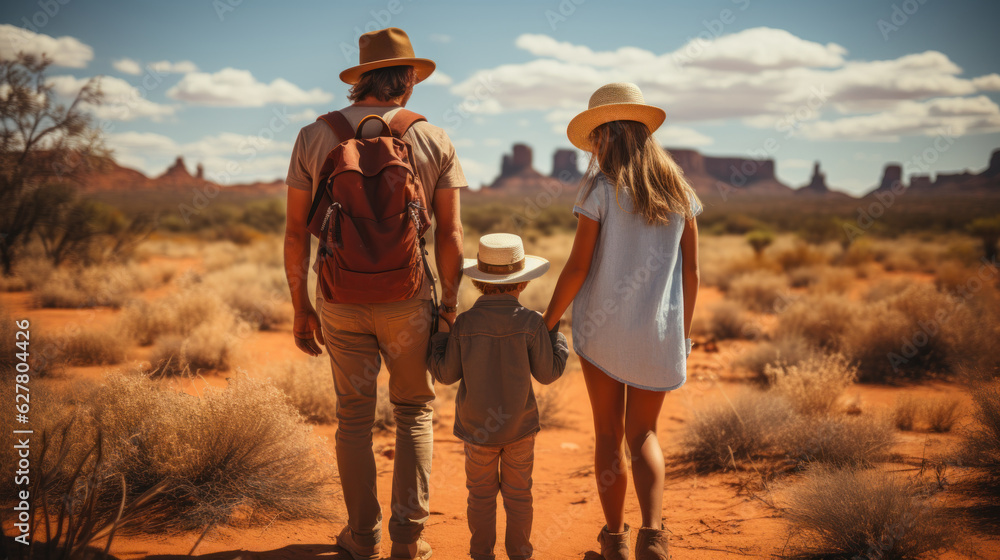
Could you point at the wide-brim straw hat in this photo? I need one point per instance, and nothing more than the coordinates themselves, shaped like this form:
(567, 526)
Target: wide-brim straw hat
(383, 48)
(501, 260)
(619, 101)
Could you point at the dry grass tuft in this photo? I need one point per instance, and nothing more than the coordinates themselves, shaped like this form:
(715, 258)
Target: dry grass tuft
(788, 350)
(92, 347)
(981, 447)
(239, 455)
(309, 387)
(551, 402)
(761, 291)
(905, 413)
(837, 440)
(211, 346)
(819, 320)
(104, 286)
(941, 413)
(176, 314)
(814, 385)
(721, 437)
(729, 319)
(385, 415)
(862, 514)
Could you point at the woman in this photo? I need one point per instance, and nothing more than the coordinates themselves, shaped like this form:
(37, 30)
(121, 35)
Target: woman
(632, 276)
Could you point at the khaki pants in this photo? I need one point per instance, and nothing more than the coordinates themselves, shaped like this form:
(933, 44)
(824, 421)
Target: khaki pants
(358, 337)
(506, 470)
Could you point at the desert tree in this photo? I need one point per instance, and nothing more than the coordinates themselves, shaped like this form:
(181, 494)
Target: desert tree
(988, 231)
(759, 239)
(42, 141)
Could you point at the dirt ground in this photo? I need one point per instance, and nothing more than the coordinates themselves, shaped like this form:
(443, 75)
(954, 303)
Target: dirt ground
(712, 516)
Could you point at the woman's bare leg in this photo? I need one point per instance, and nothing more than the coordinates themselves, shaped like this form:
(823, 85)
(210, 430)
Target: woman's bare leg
(607, 399)
(641, 414)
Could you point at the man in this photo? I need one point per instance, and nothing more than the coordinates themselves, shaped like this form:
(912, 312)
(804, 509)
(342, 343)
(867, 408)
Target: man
(359, 335)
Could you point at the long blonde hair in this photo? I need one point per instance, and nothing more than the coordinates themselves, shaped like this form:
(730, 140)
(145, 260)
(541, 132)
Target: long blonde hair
(629, 156)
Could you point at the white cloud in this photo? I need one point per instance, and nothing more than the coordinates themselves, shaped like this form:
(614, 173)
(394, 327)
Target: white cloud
(122, 101)
(766, 77)
(130, 66)
(682, 137)
(64, 51)
(231, 87)
(439, 78)
(760, 48)
(167, 67)
(951, 116)
(127, 66)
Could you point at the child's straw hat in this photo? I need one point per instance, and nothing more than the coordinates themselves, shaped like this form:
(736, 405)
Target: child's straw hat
(501, 260)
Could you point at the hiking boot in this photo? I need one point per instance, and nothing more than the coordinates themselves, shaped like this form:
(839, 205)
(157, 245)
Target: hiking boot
(651, 544)
(614, 546)
(357, 551)
(419, 550)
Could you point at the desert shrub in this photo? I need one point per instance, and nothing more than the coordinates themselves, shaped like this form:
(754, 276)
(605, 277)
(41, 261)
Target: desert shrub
(788, 350)
(211, 346)
(981, 446)
(103, 286)
(952, 276)
(722, 436)
(906, 412)
(902, 336)
(551, 402)
(88, 347)
(257, 294)
(240, 454)
(759, 239)
(385, 415)
(761, 291)
(177, 314)
(886, 288)
(941, 413)
(844, 513)
(729, 319)
(309, 387)
(800, 254)
(814, 385)
(822, 321)
(837, 440)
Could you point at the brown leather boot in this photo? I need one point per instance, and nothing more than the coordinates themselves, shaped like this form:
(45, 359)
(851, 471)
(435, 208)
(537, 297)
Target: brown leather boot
(614, 546)
(651, 544)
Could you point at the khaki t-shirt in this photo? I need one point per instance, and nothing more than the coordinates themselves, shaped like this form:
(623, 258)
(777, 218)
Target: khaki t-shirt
(437, 164)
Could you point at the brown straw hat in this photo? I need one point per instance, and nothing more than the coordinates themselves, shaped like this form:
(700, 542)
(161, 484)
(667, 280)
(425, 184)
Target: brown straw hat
(620, 101)
(384, 48)
(501, 260)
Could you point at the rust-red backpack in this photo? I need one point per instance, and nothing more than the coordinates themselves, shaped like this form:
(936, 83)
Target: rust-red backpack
(370, 214)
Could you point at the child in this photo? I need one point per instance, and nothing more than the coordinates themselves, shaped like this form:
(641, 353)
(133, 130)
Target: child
(494, 349)
(633, 279)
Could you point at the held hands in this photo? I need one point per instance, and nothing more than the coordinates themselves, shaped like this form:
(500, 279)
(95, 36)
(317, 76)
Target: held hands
(446, 318)
(307, 331)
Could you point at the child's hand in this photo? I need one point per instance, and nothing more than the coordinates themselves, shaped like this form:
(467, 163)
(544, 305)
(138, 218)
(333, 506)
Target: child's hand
(443, 324)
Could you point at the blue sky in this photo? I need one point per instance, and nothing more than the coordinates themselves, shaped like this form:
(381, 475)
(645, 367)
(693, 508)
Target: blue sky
(229, 82)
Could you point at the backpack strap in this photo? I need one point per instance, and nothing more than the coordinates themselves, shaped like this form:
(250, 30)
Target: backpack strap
(338, 122)
(402, 120)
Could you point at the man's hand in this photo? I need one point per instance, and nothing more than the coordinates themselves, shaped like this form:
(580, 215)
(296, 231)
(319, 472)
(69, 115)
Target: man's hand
(307, 331)
(445, 316)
